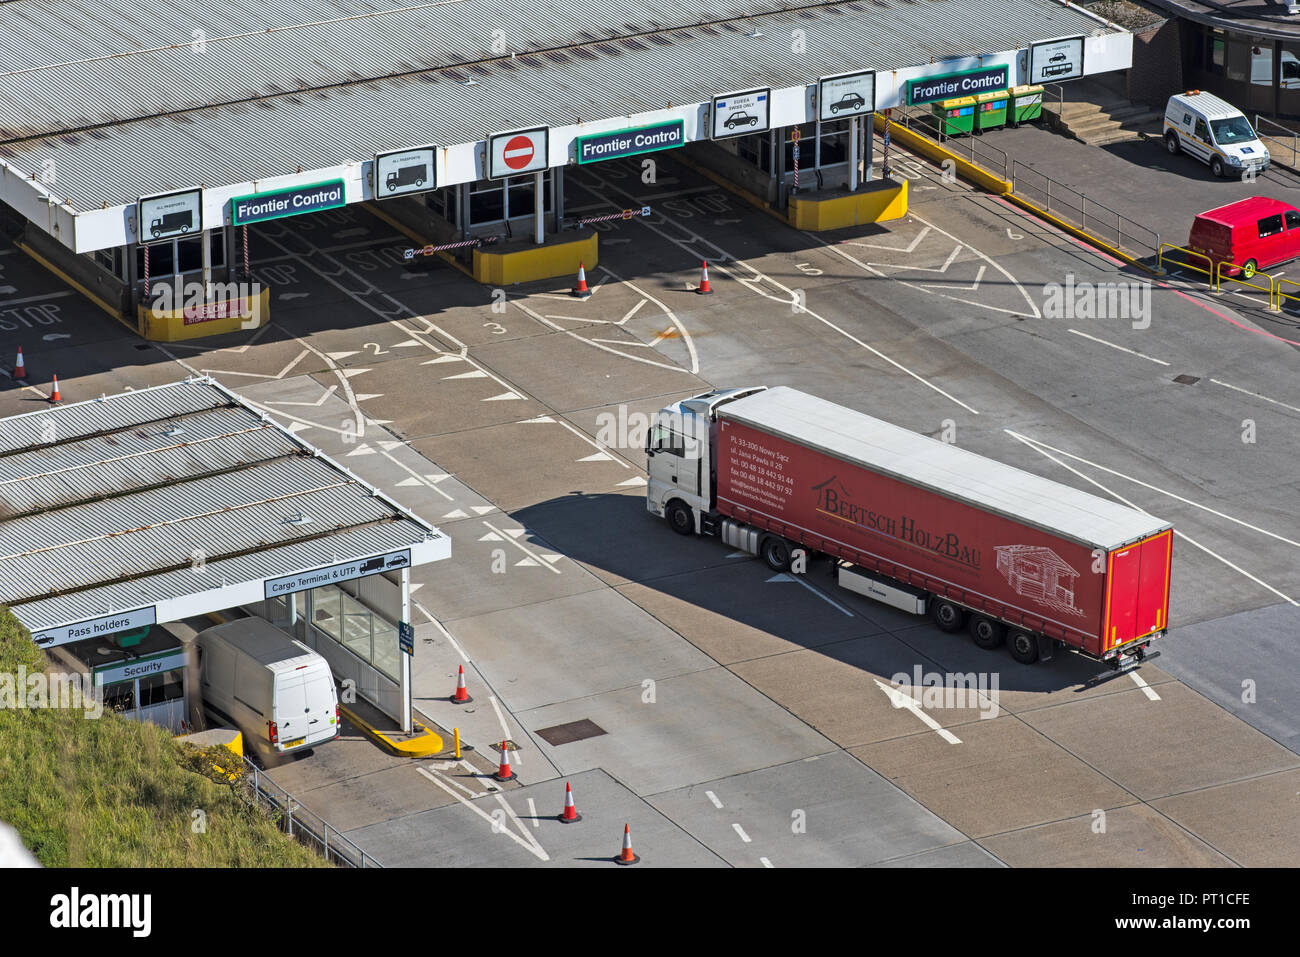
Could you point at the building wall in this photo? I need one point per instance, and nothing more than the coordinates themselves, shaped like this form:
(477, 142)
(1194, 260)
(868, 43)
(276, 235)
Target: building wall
(1157, 71)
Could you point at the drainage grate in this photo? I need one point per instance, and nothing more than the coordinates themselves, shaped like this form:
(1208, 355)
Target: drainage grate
(1186, 379)
(568, 733)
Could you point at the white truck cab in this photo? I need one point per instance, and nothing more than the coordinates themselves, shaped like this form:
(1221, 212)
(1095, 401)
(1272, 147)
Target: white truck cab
(681, 460)
(1215, 132)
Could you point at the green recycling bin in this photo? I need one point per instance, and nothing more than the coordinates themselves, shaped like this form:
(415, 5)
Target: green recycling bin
(991, 109)
(1026, 104)
(955, 116)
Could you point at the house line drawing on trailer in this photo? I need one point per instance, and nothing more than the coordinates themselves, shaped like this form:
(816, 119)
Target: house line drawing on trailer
(1035, 571)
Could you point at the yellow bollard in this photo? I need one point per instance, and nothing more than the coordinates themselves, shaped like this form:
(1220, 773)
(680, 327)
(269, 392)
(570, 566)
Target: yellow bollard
(456, 735)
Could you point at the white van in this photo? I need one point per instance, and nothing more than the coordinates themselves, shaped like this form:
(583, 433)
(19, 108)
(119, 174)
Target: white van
(275, 690)
(1215, 132)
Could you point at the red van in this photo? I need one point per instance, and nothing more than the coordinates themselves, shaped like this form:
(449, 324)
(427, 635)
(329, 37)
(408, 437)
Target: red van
(1252, 234)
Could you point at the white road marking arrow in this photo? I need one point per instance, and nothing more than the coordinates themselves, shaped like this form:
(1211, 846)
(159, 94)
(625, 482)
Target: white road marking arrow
(900, 700)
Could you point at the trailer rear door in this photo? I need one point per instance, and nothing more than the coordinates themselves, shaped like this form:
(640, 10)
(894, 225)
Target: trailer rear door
(1137, 598)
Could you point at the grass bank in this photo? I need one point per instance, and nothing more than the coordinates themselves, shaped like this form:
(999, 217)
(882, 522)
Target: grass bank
(109, 792)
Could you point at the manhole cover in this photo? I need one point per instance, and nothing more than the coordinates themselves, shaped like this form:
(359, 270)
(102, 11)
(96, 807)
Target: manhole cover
(1186, 379)
(568, 733)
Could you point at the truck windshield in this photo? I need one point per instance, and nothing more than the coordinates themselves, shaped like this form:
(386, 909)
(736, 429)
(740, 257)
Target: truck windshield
(1235, 130)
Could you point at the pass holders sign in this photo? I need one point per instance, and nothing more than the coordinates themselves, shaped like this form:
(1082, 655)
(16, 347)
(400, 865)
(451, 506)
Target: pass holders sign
(342, 572)
(406, 637)
(404, 172)
(518, 152)
(162, 217)
(950, 86)
(96, 627)
(846, 94)
(736, 114)
(276, 204)
(1055, 60)
(644, 139)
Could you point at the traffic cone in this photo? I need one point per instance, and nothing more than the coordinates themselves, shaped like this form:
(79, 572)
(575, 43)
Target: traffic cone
(503, 772)
(627, 857)
(54, 396)
(20, 370)
(462, 693)
(570, 815)
(704, 289)
(582, 292)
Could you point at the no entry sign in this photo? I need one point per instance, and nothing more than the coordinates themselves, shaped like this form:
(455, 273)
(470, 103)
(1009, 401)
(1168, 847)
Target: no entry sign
(518, 152)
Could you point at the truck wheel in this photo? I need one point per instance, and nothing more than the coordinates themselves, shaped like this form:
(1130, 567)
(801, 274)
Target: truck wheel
(1171, 143)
(680, 518)
(947, 616)
(776, 552)
(1023, 646)
(986, 632)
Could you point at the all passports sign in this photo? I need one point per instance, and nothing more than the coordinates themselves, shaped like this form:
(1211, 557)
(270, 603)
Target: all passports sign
(342, 572)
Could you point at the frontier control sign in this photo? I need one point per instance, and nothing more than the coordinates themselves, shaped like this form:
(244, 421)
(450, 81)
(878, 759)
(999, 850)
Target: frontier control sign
(259, 207)
(333, 574)
(645, 139)
(932, 89)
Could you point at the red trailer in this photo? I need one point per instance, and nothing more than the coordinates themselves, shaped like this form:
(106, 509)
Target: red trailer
(918, 523)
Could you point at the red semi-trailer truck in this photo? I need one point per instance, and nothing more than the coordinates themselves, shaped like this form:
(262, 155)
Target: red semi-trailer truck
(916, 523)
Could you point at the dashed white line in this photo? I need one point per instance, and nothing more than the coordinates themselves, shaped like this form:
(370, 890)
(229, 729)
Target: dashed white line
(765, 862)
(526, 841)
(1237, 388)
(1131, 352)
(1146, 688)
(714, 798)
(532, 812)
(741, 831)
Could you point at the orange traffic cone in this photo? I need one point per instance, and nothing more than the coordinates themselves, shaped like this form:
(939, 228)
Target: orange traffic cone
(704, 289)
(627, 857)
(462, 693)
(570, 814)
(503, 771)
(20, 370)
(54, 396)
(582, 292)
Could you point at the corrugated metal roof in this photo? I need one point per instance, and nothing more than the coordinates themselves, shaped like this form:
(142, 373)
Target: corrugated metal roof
(954, 472)
(275, 135)
(118, 596)
(109, 490)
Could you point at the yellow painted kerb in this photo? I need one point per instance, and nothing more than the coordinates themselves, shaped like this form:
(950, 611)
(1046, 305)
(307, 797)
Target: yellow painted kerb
(420, 746)
(550, 261)
(837, 212)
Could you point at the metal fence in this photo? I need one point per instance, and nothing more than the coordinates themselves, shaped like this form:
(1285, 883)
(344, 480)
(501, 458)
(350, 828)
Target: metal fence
(977, 149)
(1081, 210)
(1283, 143)
(300, 823)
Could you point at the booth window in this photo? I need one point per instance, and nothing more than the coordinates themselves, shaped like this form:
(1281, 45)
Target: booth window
(756, 150)
(1238, 60)
(161, 688)
(181, 255)
(494, 201)
(120, 698)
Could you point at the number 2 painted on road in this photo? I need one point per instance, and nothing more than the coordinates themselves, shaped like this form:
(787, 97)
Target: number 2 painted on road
(378, 351)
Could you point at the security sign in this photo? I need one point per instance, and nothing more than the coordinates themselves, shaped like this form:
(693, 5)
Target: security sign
(737, 114)
(407, 171)
(1056, 60)
(512, 154)
(846, 94)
